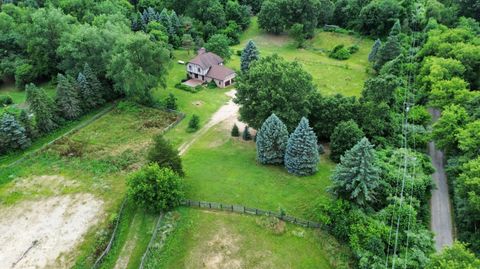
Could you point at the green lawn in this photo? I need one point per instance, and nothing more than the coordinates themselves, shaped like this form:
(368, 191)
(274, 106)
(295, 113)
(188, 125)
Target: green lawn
(206, 239)
(19, 95)
(331, 76)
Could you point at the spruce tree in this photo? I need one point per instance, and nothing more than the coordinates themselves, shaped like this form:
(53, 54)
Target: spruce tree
(357, 177)
(235, 132)
(67, 99)
(27, 123)
(175, 21)
(389, 51)
(89, 98)
(246, 134)
(12, 135)
(42, 107)
(301, 157)
(164, 19)
(165, 155)
(396, 28)
(345, 135)
(249, 54)
(98, 91)
(271, 141)
(373, 53)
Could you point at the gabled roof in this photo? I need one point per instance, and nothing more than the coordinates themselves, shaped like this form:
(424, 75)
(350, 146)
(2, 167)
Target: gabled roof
(207, 60)
(219, 72)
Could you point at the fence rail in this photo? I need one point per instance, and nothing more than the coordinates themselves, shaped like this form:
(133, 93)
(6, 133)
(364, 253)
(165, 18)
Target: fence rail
(154, 235)
(252, 211)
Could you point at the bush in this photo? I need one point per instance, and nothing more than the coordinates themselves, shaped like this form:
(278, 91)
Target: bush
(235, 132)
(193, 124)
(5, 100)
(339, 53)
(238, 52)
(155, 189)
(66, 147)
(246, 134)
(171, 102)
(186, 88)
(212, 85)
(353, 49)
(165, 155)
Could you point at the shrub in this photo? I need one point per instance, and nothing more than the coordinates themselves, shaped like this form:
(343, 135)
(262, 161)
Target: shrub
(66, 147)
(171, 102)
(5, 100)
(235, 131)
(246, 134)
(155, 189)
(238, 52)
(165, 155)
(193, 124)
(340, 53)
(186, 88)
(212, 85)
(353, 49)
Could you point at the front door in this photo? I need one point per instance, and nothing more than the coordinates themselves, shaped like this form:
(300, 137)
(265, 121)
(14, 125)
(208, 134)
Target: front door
(196, 75)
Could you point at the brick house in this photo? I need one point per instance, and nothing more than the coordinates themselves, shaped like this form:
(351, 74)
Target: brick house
(208, 66)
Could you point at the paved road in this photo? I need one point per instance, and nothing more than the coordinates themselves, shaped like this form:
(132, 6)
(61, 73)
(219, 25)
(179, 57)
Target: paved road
(441, 212)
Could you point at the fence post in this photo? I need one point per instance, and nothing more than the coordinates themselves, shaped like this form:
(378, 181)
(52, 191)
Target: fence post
(209, 205)
(221, 206)
(232, 208)
(256, 211)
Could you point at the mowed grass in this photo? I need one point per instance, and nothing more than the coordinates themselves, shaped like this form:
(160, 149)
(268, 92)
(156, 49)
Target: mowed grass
(223, 169)
(19, 96)
(331, 76)
(206, 239)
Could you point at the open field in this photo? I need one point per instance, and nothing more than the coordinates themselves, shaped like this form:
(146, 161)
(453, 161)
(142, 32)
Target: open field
(211, 239)
(93, 161)
(331, 76)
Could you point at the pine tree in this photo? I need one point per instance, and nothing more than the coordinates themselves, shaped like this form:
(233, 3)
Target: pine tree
(356, 177)
(246, 134)
(164, 19)
(389, 51)
(301, 157)
(249, 54)
(67, 100)
(12, 135)
(235, 132)
(165, 155)
(345, 135)
(175, 21)
(396, 28)
(98, 91)
(89, 98)
(272, 141)
(27, 123)
(193, 124)
(373, 53)
(42, 107)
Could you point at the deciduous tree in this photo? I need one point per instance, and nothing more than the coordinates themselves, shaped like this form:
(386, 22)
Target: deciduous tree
(346, 135)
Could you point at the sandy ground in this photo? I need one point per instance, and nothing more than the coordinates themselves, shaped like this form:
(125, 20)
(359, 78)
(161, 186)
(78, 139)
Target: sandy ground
(228, 111)
(57, 224)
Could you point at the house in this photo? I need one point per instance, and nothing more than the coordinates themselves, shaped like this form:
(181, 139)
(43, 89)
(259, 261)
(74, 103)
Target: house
(208, 66)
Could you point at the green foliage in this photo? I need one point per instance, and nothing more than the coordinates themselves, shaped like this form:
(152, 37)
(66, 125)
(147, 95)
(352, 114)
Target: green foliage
(237, 13)
(389, 51)
(381, 89)
(356, 178)
(375, 48)
(171, 102)
(301, 155)
(271, 141)
(446, 129)
(270, 17)
(345, 135)
(419, 115)
(297, 33)
(165, 155)
(340, 53)
(456, 256)
(249, 54)
(5, 100)
(186, 88)
(469, 138)
(67, 101)
(193, 123)
(219, 45)
(378, 17)
(12, 135)
(235, 132)
(42, 107)
(155, 189)
(246, 134)
(267, 88)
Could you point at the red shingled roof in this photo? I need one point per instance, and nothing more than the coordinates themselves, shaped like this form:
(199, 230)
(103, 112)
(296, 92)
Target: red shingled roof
(219, 72)
(206, 60)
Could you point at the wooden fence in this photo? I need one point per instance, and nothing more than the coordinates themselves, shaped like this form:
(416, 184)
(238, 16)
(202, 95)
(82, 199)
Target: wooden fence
(154, 235)
(253, 211)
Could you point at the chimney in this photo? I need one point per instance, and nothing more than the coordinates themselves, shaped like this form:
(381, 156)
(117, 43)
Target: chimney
(202, 50)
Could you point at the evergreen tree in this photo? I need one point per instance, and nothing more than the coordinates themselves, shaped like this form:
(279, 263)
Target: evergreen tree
(175, 21)
(171, 102)
(165, 155)
(396, 28)
(67, 100)
(164, 19)
(246, 134)
(389, 51)
(90, 98)
(12, 134)
(249, 54)
(194, 123)
(344, 137)
(301, 157)
(235, 132)
(42, 107)
(27, 123)
(95, 85)
(356, 177)
(272, 141)
(373, 53)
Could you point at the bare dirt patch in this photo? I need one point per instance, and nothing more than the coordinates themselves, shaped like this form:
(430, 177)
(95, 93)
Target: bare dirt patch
(198, 103)
(57, 224)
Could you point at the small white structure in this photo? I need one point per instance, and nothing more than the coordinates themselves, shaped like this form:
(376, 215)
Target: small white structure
(208, 66)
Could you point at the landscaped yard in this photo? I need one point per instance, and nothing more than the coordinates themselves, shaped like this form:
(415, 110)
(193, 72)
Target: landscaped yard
(211, 239)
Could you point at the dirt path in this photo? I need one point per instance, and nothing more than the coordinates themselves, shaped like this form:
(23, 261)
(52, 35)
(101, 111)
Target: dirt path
(441, 212)
(225, 112)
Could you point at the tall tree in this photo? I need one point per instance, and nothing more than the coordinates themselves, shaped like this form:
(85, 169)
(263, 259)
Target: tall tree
(12, 135)
(87, 95)
(249, 54)
(346, 135)
(273, 85)
(98, 91)
(373, 53)
(456, 256)
(165, 155)
(42, 107)
(301, 156)
(272, 141)
(356, 177)
(389, 51)
(270, 17)
(67, 100)
(219, 45)
(446, 129)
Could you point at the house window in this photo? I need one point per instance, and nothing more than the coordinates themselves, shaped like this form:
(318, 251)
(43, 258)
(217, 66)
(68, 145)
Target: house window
(198, 69)
(190, 67)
